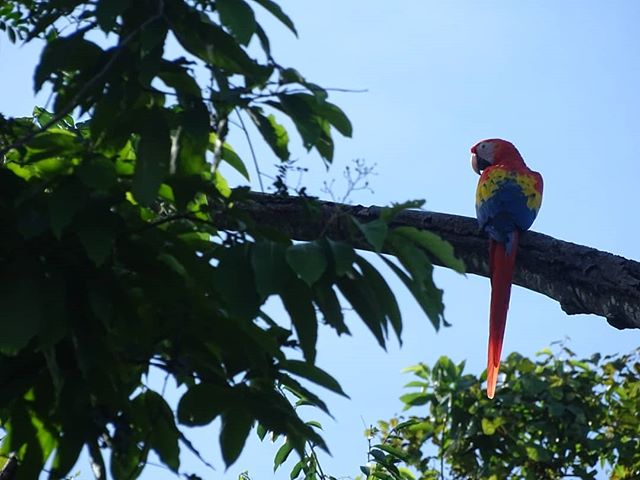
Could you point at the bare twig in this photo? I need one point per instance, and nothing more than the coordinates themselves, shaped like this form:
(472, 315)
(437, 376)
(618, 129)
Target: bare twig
(253, 153)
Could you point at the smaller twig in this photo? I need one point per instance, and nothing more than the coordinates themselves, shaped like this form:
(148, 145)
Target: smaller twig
(8, 472)
(253, 153)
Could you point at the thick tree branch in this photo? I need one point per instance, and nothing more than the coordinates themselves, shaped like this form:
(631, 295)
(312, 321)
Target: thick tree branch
(581, 279)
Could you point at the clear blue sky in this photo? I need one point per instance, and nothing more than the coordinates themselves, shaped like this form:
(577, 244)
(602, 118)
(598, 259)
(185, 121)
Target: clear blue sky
(559, 79)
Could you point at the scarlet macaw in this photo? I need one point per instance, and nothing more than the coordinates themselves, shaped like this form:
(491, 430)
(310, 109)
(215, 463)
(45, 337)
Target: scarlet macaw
(508, 198)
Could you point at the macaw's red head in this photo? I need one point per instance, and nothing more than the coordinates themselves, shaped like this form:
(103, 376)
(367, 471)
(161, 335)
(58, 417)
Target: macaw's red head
(494, 151)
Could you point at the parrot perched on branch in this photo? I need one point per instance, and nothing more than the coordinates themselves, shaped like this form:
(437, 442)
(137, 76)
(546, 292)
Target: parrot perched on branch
(508, 198)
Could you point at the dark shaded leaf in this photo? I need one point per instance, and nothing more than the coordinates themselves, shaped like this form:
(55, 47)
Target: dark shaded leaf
(153, 154)
(98, 174)
(69, 53)
(269, 267)
(65, 201)
(385, 297)
(308, 260)
(202, 403)
(21, 313)
(239, 17)
(439, 248)
(107, 11)
(365, 304)
(336, 118)
(235, 283)
(277, 12)
(297, 301)
(375, 232)
(327, 300)
(314, 374)
(236, 424)
(163, 432)
(343, 256)
(97, 232)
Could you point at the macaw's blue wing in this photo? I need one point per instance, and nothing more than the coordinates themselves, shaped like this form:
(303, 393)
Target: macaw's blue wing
(502, 207)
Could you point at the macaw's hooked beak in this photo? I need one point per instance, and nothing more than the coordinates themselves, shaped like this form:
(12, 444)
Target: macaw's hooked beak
(478, 164)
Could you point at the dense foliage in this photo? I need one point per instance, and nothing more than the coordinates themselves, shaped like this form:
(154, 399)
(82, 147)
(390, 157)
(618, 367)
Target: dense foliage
(554, 417)
(121, 249)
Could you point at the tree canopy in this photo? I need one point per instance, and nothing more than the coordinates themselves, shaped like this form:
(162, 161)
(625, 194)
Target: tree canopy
(114, 260)
(124, 248)
(557, 416)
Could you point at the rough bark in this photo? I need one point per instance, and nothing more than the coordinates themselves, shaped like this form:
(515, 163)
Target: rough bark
(580, 278)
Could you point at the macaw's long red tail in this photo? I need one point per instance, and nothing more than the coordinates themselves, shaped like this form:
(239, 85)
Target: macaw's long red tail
(501, 264)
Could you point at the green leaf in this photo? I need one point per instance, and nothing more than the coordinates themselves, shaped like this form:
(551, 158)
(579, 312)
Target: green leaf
(221, 184)
(177, 77)
(163, 432)
(434, 244)
(277, 12)
(236, 424)
(64, 202)
(537, 453)
(239, 17)
(327, 300)
(229, 156)
(29, 438)
(153, 156)
(232, 158)
(153, 36)
(66, 54)
(192, 138)
(202, 403)
(301, 109)
(297, 468)
(312, 373)
(21, 314)
(343, 256)
(273, 133)
(269, 267)
(306, 397)
(66, 454)
(388, 213)
(235, 283)
(107, 11)
(307, 260)
(396, 452)
(261, 431)
(365, 304)
(97, 231)
(384, 294)
(337, 118)
(489, 426)
(375, 232)
(414, 399)
(98, 174)
(282, 455)
(297, 301)
(420, 283)
(207, 41)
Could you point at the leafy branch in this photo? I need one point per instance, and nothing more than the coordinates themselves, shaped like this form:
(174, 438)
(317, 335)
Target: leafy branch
(582, 279)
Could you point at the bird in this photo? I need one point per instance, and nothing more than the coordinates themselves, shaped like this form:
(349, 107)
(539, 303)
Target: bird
(508, 198)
